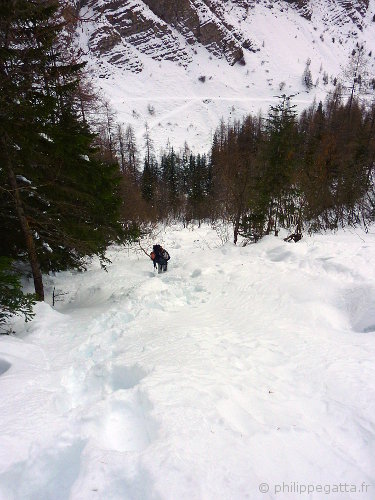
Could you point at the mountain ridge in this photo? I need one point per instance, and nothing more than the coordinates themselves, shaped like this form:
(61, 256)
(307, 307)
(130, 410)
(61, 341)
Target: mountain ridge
(217, 55)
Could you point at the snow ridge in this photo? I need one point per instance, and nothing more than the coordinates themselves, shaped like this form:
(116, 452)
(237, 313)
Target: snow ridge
(239, 366)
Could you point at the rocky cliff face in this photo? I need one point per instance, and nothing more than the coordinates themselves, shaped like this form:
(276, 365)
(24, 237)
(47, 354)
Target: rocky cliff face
(120, 31)
(203, 22)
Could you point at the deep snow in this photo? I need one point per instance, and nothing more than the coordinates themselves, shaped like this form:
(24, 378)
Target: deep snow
(239, 366)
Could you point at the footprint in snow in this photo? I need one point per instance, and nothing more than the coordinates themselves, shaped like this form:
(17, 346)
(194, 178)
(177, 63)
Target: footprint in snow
(124, 377)
(125, 424)
(4, 366)
(196, 273)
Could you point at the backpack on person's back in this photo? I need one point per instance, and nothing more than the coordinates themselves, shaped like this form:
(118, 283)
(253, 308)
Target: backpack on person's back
(160, 257)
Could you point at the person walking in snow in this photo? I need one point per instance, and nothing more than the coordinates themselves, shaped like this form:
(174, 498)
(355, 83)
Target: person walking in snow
(160, 257)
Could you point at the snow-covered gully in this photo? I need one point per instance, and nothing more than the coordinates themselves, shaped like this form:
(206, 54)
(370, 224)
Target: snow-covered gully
(241, 373)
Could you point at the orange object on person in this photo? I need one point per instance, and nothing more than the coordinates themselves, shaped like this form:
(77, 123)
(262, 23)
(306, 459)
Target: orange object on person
(152, 255)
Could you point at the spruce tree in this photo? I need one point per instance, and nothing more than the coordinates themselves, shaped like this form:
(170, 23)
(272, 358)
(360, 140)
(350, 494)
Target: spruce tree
(60, 199)
(131, 153)
(280, 156)
(197, 186)
(149, 180)
(170, 172)
(149, 174)
(307, 76)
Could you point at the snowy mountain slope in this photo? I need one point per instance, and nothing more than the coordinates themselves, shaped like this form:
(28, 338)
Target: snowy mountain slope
(238, 367)
(181, 66)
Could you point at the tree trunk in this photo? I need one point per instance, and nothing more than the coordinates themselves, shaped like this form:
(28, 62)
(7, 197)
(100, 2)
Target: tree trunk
(270, 218)
(236, 227)
(29, 240)
(278, 207)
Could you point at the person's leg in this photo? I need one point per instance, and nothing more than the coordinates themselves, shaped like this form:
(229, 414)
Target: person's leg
(165, 267)
(160, 268)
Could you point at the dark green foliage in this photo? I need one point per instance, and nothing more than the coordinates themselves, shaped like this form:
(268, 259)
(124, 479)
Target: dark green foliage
(180, 188)
(12, 300)
(198, 187)
(149, 180)
(315, 172)
(170, 175)
(59, 199)
(150, 175)
(280, 159)
(71, 200)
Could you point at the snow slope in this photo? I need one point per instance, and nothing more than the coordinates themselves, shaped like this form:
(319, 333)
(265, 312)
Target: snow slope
(240, 366)
(187, 109)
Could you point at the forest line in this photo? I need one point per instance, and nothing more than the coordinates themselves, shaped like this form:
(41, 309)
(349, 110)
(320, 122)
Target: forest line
(73, 182)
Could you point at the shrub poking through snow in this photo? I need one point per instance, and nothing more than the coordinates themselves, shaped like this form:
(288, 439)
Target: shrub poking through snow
(12, 299)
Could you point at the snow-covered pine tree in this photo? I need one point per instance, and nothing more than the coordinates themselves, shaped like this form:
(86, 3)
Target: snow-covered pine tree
(307, 80)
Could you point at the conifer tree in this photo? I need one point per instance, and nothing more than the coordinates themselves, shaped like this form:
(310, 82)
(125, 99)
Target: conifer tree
(149, 178)
(60, 198)
(120, 140)
(184, 170)
(312, 126)
(12, 299)
(198, 186)
(356, 79)
(307, 76)
(131, 152)
(279, 156)
(170, 176)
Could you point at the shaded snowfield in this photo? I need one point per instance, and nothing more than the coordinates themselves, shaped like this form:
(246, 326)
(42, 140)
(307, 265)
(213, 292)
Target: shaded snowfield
(240, 366)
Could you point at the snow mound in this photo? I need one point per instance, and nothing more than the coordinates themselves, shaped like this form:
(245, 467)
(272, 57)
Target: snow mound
(361, 308)
(240, 366)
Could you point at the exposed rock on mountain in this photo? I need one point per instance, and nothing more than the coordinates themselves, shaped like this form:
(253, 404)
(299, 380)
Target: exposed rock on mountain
(160, 29)
(199, 21)
(121, 30)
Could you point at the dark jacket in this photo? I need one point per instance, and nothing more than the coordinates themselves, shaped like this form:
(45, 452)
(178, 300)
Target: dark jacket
(161, 255)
